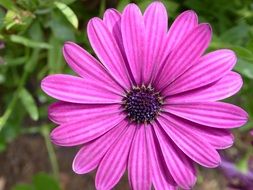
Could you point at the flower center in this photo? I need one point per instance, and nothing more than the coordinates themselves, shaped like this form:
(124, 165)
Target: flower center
(142, 104)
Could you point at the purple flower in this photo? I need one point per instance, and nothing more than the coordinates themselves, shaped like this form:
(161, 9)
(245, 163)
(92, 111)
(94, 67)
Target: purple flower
(237, 180)
(149, 105)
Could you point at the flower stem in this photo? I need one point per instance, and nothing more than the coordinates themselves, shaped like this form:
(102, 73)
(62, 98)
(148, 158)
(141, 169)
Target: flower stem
(4, 118)
(51, 151)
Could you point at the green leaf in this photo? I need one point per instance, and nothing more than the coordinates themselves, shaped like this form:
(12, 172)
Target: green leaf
(61, 28)
(2, 15)
(3, 145)
(33, 60)
(172, 7)
(29, 43)
(29, 104)
(68, 13)
(143, 4)
(8, 4)
(30, 5)
(240, 51)
(54, 57)
(236, 35)
(245, 68)
(23, 187)
(243, 52)
(67, 1)
(122, 4)
(35, 31)
(43, 181)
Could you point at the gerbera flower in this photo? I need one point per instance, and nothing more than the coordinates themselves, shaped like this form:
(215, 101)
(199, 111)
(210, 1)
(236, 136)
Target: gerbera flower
(148, 104)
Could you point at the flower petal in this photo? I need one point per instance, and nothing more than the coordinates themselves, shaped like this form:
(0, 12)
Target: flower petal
(107, 50)
(112, 19)
(114, 163)
(184, 55)
(133, 35)
(179, 165)
(85, 65)
(192, 145)
(182, 25)
(79, 90)
(89, 156)
(156, 26)
(218, 138)
(161, 178)
(139, 172)
(221, 89)
(64, 112)
(208, 69)
(83, 131)
(212, 114)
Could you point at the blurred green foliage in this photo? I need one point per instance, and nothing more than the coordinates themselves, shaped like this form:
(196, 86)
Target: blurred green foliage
(33, 32)
(39, 182)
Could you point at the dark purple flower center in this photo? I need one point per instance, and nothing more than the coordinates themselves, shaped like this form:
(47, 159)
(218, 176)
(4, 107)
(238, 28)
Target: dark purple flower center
(142, 104)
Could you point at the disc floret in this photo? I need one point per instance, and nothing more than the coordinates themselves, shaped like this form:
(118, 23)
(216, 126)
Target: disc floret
(142, 104)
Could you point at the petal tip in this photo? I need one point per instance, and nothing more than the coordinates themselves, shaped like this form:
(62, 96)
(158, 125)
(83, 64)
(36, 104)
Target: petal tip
(157, 3)
(47, 81)
(206, 27)
(52, 135)
(75, 167)
(131, 7)
(43, 84)
(190, 15)
(68, 45)
(51, 112)
(231, 55)
(110, 13)
(92, 22)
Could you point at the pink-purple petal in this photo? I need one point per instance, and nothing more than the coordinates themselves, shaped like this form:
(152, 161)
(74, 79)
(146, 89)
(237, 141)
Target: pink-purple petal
(221, 89)
(64, 112)
(114, 163)
(112, 19)
(81, 61)
(89, 156)
(182, 25)
(79, 90)
(83, 131)
(108, 51)
(218, 138)
(139, 173)
(192, 145)
(186, 54)
(156, 26)
(179, 165)
(86, 66)
(133, 35)
(161, 177)
(208, 69)
(212, 114)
